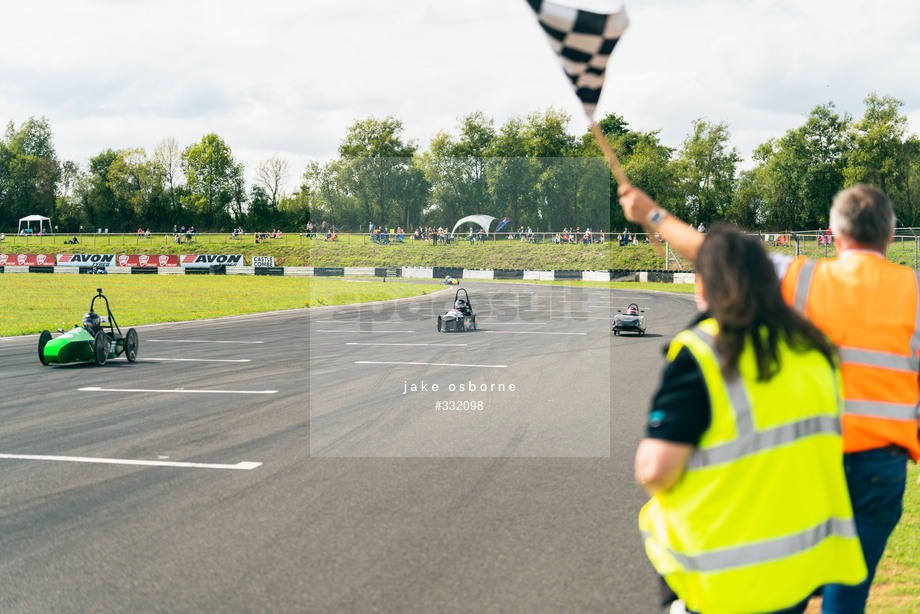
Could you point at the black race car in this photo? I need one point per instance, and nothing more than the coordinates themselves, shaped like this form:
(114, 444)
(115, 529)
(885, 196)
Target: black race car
(461, 317)
(632, 321)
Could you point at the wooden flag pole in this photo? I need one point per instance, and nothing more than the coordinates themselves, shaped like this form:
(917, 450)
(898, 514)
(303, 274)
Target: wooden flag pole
(608, 153)
(621, 178)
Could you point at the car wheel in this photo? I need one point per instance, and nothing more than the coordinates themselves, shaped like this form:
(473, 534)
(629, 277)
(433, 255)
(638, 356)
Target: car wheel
(43, 340)
(439, 323)
(475, 323)
(131, 344)
(101, 348)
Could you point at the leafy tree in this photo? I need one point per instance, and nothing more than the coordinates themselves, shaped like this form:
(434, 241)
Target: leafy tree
(215, 182)
(29, 171)
(375, 158)
(705, 167)
(456, 170)
(883, 155)
(549, 143)
(511, 173)
(94, 193)
(799, 173)
(645, 161)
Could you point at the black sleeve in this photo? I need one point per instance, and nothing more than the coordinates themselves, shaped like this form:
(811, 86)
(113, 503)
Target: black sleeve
(681, 410)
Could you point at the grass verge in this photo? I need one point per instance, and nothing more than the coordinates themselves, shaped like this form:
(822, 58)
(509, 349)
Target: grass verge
(37, 302)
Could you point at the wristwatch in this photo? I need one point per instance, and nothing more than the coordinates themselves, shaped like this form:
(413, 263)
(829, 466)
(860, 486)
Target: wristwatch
(656, 217)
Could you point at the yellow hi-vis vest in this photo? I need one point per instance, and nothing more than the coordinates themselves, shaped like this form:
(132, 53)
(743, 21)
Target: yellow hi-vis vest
(761, 516)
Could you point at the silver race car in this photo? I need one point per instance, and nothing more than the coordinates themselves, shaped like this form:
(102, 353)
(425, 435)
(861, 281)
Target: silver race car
(461, 318)
(632, 321)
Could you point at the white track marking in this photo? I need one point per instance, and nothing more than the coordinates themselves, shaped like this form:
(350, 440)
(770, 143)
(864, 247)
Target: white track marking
(526, 332)
(196, 341)
(364, 331)
(526, 323)
(192, 360)
(428, 364)
(176, 390)
(243, 465)
(414, 344)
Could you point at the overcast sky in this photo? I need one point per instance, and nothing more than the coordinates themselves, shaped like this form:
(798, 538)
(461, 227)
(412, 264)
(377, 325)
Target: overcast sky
(285, 78)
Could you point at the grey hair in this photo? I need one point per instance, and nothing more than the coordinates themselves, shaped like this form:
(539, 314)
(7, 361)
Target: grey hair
(865, 215)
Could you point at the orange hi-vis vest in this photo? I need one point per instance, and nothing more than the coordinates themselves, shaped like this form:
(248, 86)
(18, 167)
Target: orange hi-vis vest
(870, 308)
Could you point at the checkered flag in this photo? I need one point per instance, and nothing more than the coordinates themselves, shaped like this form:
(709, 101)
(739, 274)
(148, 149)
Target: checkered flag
(584, 42)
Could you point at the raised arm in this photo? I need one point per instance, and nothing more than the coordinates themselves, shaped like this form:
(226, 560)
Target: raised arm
(641, 209)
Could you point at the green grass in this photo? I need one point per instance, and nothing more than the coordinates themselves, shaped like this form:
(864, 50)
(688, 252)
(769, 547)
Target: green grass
(896, 589)
(37, 302)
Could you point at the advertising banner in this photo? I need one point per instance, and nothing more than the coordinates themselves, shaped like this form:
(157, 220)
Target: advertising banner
(196, 260)
(26, 259)
(86, 259)
(263, 261)
(145, 260)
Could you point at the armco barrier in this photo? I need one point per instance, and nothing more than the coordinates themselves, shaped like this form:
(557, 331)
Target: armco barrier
(596, 275)
(568, 274)
(327, 271)
(418, 272)
(405, 272)
(508, 274)
(440, 272)
(487, 274)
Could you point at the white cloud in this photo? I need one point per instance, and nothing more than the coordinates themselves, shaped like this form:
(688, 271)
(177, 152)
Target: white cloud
(286, 78)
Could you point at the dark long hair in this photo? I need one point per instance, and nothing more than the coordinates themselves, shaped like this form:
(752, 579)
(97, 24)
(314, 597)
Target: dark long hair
(745, 298)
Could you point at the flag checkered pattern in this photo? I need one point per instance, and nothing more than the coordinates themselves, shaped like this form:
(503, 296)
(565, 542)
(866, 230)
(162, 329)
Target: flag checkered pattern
(584, 42)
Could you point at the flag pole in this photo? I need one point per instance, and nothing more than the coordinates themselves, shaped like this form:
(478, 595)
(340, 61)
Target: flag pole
(621, 177)
(608, 153)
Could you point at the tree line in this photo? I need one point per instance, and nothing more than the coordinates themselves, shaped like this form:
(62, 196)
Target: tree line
(532, 169)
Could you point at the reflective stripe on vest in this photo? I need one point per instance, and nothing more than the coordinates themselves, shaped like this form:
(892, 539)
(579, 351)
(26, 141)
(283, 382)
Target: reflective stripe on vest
(753, 554)
(870, 358)
(748, 440)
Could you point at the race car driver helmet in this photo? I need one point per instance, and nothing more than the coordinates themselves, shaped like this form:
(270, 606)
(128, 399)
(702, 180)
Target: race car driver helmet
(460, 305)
(632, 311)
(91, 321)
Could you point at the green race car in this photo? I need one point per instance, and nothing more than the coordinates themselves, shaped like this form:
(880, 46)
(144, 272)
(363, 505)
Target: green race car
(99, 339)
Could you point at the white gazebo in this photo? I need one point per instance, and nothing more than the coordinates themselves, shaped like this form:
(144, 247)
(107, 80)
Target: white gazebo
(483, 220)
(41, 219)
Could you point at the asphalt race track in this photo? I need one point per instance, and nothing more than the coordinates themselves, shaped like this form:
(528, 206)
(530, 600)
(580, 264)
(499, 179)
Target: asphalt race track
(281, 463)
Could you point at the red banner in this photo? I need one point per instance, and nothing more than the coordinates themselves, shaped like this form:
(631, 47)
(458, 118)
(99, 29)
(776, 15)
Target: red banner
(27, 259)
(143, 260)
(198, 260)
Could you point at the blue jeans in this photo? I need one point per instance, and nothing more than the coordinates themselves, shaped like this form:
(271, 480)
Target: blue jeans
(876, 480)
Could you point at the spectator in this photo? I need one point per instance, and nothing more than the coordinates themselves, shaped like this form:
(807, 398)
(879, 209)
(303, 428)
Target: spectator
(880, 384)
(745, 429)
